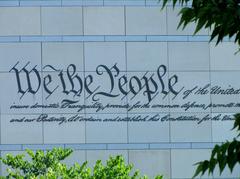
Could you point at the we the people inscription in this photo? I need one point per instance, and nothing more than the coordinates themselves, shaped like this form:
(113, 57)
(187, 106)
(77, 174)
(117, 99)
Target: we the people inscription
(153, 87)
(108, 77)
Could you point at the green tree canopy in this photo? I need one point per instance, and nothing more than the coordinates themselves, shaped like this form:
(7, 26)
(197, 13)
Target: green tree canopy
(221, 16)
(49, 165)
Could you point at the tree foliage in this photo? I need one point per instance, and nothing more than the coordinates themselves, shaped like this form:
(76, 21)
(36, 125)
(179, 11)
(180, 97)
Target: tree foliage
(221, 16)
(225, 155)
(48, 165)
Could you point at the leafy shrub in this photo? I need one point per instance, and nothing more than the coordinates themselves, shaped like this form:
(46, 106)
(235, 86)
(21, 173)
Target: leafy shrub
(48, 165)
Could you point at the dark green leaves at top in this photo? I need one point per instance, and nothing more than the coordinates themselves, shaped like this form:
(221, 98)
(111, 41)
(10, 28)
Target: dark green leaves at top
(174, 2)
(222, 17)
(187, 16)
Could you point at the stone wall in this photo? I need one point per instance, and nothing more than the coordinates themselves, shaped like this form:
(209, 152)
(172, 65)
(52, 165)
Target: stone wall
(124, 52)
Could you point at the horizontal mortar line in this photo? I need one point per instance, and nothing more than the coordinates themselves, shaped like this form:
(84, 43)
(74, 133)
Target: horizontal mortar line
(74, 3)
(112, 146)
(128, 146)
(107, 38)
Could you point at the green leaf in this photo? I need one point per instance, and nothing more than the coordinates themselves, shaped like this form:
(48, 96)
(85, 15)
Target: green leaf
(200, 25)
(212, 165)
(198, 170)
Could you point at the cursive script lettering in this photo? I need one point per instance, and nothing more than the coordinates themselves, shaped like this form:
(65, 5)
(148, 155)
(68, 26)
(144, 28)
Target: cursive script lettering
(74, 86)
